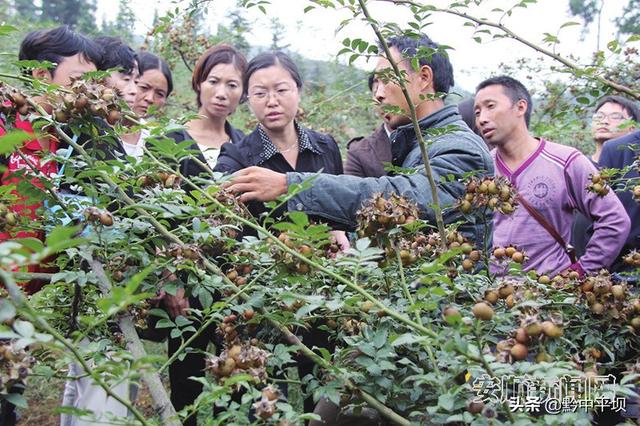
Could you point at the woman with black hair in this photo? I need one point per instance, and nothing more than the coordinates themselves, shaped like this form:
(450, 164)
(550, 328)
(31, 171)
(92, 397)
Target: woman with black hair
(155, 83)
(217, 82)
(273, 87)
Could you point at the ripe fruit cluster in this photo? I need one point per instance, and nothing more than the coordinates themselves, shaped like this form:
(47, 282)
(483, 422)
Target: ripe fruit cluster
(223, 230)
(139, 313)
(11, 99)
(266, 406)
(495, 193)
(15, 365)
(510, 253)
(511, 292)
(88, 98)
(632, 258)
(292, 263)
(7, 218)
(238, 274)
(181, 253)
(636, 193)
(380, 214)
(599, 184)
(160, 179)
(611, 300)
(94, 214)
(528, 335)
(239, 358)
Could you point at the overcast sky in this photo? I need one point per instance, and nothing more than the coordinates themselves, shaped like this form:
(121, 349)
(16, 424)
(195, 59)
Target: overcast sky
(313, 34)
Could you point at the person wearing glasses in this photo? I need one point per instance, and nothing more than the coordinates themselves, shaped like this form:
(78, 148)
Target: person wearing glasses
(614, 117)
(273, 86)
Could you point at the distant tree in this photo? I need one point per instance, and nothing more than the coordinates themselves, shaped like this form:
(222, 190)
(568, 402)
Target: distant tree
(591, 10)
(78, 14)
(125, 21)
(277, 34)
(629, 21)
(235, 32)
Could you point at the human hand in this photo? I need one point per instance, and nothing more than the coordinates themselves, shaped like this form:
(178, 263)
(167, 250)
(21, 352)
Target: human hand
(258, 183)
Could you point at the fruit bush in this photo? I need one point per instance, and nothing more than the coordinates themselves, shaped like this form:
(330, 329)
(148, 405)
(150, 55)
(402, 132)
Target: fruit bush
(413, 320)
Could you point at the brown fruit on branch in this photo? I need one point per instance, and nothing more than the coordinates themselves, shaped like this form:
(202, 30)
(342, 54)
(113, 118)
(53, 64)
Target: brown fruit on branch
(482, 311)
(551, 330)
(522, 336)
(519, 352)
(491, 296)
(475, 406)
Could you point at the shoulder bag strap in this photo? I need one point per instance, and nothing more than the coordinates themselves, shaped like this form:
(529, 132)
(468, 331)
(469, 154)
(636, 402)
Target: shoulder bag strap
(568, 248)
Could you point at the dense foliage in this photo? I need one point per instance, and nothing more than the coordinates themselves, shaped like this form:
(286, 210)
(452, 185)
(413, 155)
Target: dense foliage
(416, 326)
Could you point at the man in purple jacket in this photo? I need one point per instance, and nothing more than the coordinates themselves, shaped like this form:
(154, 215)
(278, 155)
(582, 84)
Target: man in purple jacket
(552, 179)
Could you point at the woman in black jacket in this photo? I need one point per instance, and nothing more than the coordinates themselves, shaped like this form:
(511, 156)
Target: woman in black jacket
(217, 81)
(273, 85)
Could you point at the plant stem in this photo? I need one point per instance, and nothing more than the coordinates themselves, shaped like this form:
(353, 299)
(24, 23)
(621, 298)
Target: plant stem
(161, 401)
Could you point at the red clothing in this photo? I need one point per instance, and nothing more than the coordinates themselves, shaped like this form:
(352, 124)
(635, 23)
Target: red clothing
(32, 151)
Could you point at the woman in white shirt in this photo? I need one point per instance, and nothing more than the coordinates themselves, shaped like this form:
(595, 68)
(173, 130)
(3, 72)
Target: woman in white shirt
(155, 84)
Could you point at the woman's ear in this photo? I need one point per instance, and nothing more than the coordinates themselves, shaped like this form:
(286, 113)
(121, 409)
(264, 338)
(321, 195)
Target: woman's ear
(42, 74)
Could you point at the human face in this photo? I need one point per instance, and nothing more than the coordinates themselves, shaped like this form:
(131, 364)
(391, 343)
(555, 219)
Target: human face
(497, 117)
(69, 68)
(126, 85)
(273, 97)
(152, 90)
(221, 91)
(389, 93)
(609, 121)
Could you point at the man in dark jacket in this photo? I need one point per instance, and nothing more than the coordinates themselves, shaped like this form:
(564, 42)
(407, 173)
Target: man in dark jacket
(620, 153)
(453, 150)
(366, 156)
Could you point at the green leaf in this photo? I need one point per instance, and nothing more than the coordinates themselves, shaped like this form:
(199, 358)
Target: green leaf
(446, 401)
(17, 400)
(7, 29)
(7, 310)
(405, 339)
(24, 328)
(12, 139)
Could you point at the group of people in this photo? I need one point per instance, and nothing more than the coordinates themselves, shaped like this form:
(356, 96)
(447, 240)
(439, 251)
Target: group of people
(551, 179)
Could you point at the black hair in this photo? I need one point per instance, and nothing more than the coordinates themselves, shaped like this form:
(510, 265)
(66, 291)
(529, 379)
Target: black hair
(269, 59)
(430, 54)
(218, 54)
(56, 44)
(628, 105)
(116, 55)
(513, 89)
(370, 80)
(148, 61)
(465, 108)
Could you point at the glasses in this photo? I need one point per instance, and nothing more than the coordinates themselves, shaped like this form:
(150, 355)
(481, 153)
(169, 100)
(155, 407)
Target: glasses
(614, 116)
(262, 95)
